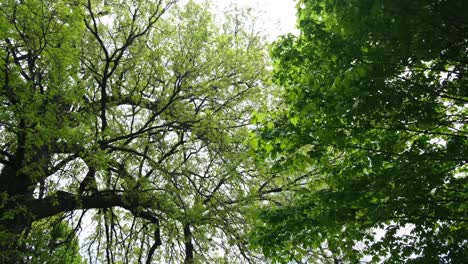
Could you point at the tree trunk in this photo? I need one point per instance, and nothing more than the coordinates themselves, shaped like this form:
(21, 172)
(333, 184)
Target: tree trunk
(189, 258)
(14, 220)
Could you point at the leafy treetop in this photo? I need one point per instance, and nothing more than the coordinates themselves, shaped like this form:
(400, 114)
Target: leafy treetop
(375, 111)
(132, 115)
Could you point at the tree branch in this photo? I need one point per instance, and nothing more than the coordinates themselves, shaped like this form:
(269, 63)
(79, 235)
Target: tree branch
(66, 202)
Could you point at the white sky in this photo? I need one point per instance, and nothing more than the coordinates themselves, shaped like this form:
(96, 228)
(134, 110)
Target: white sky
(278, 16)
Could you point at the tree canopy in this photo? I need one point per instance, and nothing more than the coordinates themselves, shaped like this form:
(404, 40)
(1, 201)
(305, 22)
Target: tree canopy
(152, 132)
(126, 119)
(375, 111)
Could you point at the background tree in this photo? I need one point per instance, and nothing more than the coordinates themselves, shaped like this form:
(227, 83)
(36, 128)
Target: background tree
(129, 121)
(375, 111)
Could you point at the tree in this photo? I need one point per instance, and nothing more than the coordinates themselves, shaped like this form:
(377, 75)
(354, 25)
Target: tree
(52, 241)
(129, 120)
(375, 111)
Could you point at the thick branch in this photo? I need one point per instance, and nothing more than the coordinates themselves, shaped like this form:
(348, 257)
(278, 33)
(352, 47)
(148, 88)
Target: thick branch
(66, 202)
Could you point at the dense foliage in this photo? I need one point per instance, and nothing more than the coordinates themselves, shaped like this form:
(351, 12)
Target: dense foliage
(128, 120)
(126, 133)
(375, 112)
(51, 241)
